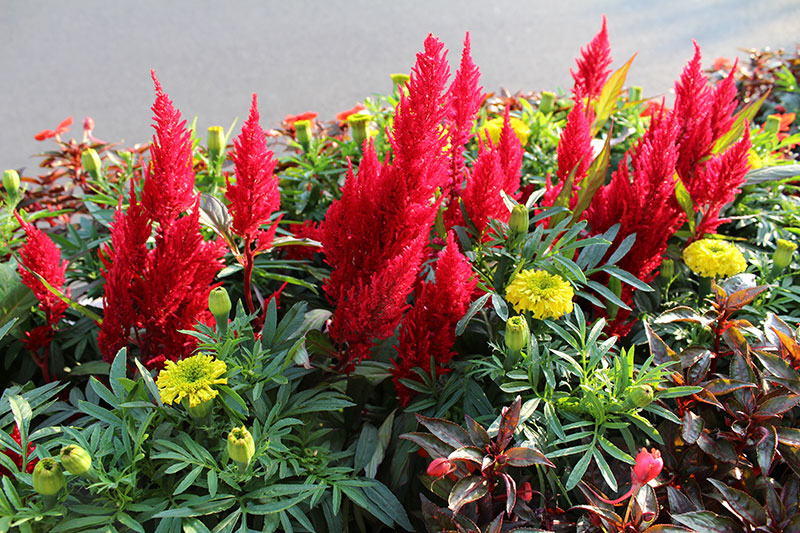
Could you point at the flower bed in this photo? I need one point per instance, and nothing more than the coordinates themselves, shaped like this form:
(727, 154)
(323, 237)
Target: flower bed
(444, 310)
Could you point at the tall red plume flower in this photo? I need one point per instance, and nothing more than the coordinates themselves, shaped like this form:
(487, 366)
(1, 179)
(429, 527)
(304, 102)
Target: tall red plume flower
(254, 196)
(574, 153)
(17, 458)
(593, 71)
(374, 235)
(169, 178)
(40, 255)
(465, 98)
(443, 303)
(509, 150)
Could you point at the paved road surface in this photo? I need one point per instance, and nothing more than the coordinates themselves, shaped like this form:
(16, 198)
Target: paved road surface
(93, 57)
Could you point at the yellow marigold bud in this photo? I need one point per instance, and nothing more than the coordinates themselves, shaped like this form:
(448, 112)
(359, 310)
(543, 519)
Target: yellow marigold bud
(545, 295)
(11, 182)
(219, 303)
(641, 395)
(216, 141)
(358, 127)
(241, 446)
(783, 254)
(494, 128)
(400, 79)
(517, 333)
(519, 220)
(546, 102)
(91, 162)
(711, 258)
(75, 460)
(302, 131)
(48, 479)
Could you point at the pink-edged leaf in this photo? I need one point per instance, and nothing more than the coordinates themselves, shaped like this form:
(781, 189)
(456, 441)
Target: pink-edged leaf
(477, 433)
(739, 299)
(610, 518)
(525, 456)
(789, 437)
(435, 447)
(718, 449)
(447, 431)
(511, 493)
(467, 490)
(496, 525)
(777, 406)
(705, 521)
(467, 453)
(509, 422)
(766, 448)
(724, 386)
(741, 504)
(667, 528)
(692, 427)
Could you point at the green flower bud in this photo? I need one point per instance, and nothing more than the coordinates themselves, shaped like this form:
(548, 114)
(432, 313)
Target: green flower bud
(358, 127)
(518, 223)
(615, 286)
(48, 479)
(200, 411)
(517, 334)
(635, 93)
(219, 303)
(75, 460)
(241, 446)
(400, 79)
(641, 395)
(783, 254)
(302, 130)
(546, 102)
(11, 182)
(667, 270)
(773, 124)
(216, 141)
(91, 162)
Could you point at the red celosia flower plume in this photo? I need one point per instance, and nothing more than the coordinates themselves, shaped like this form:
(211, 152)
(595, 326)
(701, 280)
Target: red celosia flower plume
(509, 150)
(169, 178)
(443, 303)
(574, 153)
(17, 458)
(593, 71)
(41, 256)
(254, 196)
(465, 98)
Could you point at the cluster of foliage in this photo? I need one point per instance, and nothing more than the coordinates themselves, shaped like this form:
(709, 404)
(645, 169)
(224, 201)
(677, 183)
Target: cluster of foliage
(601, 287)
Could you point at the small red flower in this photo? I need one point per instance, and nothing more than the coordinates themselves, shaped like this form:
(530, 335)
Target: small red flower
(440, 467)
(289, 121)
(722, 63)
(17, 458)
(525, 492)
(648, 466)
(654, 108)
(342, 117)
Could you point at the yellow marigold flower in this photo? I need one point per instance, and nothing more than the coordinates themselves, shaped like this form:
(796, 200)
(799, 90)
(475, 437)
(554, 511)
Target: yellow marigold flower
(545, 295)
(711, 258)
(494, 128)
(191, 378)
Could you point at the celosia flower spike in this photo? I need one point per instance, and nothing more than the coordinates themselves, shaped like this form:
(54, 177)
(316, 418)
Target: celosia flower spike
(574, 153)
(593, 71)
(169, 178)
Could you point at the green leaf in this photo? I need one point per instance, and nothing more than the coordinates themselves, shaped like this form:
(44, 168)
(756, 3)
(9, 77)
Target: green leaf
(118, 371)
(685, 201)
(595, 177)
(466, 490)
(188, 480)
(232, 399)
(580, 469)
(474, 307)
(607, 102)
(605, 470)
(365, 448)
(745, 116)
(151, 386)
(612, 450)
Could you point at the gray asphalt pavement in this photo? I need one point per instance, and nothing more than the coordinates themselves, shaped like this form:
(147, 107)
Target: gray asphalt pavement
(93, 57)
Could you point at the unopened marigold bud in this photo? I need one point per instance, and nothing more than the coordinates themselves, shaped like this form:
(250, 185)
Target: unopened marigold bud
(216, 142)
(48, 479)
(783, 254)
(400, 79)
(302, 130)
(358, 127)
(91, 162)
(11, 182)
(773, 124)
(546, 102)
(635, 93)
(75, 460)
(517, 334)
(519, 220)
(219, 303)
(615, 286)
(667, 270)
(241, 446)
(641, 395)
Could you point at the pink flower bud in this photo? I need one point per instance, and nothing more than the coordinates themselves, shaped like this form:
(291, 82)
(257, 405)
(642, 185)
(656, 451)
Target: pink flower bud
(440, 467)
(648, 466)
(88, 124)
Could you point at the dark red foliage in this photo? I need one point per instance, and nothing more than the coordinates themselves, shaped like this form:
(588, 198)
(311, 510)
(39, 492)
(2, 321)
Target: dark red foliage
(593, 64)
(17, 458)
(442, 302)
(254, 196)
(41, 256)
(169, 178)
